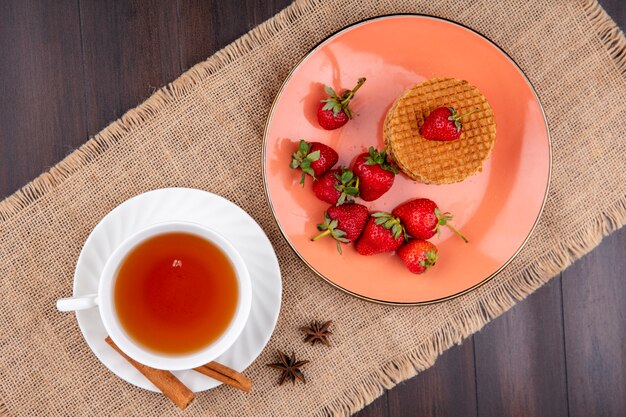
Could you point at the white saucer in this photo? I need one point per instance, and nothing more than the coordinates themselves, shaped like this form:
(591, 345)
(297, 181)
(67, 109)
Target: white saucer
(188, 205)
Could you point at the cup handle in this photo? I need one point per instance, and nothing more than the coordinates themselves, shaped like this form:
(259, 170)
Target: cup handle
(81, 302)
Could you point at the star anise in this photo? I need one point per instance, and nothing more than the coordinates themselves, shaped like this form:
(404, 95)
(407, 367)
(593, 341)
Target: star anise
(289, 367)
(317, 331)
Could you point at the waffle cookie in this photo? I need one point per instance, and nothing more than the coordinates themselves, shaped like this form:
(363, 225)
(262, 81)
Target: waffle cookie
(435, 162)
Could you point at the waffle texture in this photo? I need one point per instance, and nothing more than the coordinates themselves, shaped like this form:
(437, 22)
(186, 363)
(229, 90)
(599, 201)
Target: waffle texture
(435, 162)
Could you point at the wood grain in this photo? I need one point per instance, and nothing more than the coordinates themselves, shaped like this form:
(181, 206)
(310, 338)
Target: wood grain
(594, 294)
(433, 394)
(130, 48)
(520, 362)
(207, 26)
(41, 88)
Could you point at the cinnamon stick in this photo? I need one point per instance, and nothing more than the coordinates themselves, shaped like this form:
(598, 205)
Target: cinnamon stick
(226, 375)
(169, 385)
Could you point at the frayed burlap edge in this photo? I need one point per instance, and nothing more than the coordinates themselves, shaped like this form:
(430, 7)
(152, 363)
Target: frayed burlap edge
(609, 33)
(457, 329)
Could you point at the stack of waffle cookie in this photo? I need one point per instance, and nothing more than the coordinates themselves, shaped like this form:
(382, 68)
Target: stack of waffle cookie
(436, 162)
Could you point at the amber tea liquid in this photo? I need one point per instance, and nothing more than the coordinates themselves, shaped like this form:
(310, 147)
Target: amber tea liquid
(175, 293)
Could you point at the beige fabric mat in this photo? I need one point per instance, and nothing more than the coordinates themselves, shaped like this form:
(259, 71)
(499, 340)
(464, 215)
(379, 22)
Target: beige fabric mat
(571, 51)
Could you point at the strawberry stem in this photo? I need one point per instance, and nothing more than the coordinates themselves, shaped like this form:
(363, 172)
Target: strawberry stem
(346, 98)
(443, 220)
(459, 116)
(321, 235)
(455, 230)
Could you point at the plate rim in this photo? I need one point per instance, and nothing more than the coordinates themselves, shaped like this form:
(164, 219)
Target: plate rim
(117, 208)
(273, 109)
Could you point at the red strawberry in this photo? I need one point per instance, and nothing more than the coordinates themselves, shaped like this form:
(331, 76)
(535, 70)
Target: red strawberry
(313, 158)
(418, 255)
(422, 218)
(443, 124)
(344, 223)
(375, 174)
(382, 233)
(335, 186)
(334, 111)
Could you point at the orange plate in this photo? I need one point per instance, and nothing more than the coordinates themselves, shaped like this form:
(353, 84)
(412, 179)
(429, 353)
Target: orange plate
(496, 209)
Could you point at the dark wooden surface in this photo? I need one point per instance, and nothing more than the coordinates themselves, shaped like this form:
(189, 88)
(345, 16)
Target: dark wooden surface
(68, 68)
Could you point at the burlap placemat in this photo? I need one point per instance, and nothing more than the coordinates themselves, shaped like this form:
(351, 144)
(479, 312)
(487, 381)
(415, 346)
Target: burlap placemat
(205, 131)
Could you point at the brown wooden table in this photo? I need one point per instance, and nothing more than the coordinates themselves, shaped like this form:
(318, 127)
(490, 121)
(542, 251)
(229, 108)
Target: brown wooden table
(68, 68)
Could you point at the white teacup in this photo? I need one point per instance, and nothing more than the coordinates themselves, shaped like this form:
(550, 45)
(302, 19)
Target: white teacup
(105, 302)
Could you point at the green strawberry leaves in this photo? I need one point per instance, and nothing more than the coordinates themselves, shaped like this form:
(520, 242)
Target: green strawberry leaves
(430, 259)
(302, 159)
(329, 227)
(348, 185)
(442, 220)
(334, 104)
(338, 103)
(391, 223)
(331, 93)
(456, 117)
(303, 147)
(379, 158)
